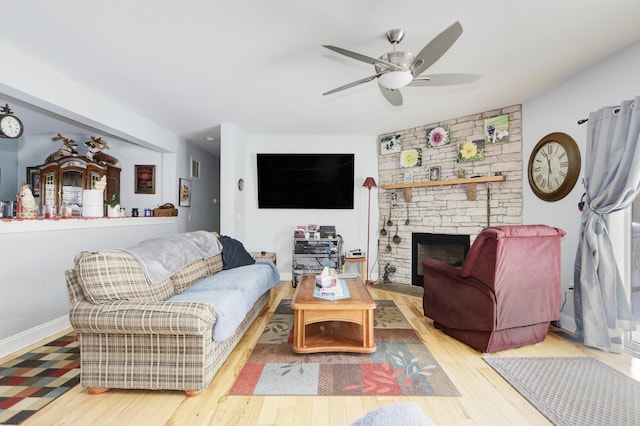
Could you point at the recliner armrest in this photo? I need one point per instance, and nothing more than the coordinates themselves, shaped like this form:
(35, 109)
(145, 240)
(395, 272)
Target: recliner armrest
(456, 302)
(127, 317)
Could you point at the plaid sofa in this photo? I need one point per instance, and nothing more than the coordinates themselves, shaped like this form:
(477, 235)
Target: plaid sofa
(131, 337)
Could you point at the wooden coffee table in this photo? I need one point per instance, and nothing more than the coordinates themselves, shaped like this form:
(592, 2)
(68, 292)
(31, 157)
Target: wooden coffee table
(344, 325)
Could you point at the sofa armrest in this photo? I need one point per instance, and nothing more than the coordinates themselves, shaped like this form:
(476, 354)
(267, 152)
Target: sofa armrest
(128, 317)
(463, 303)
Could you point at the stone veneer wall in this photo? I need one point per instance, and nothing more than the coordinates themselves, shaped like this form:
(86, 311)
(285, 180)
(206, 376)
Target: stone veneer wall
(446, 209)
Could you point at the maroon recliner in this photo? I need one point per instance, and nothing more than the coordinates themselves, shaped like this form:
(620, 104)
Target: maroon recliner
(507, 292)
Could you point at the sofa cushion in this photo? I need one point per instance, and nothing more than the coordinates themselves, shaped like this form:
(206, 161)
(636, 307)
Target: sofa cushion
(194, 272)
(214, 264)
(117, 275)
(234, 254)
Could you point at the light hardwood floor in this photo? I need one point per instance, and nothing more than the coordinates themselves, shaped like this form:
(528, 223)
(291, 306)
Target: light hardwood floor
(486, 398)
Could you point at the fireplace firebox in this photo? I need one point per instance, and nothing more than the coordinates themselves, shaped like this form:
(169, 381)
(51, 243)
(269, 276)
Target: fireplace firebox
(449, 248)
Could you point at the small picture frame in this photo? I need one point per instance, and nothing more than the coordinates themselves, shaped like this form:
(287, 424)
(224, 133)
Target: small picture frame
(184, 192)
(389, 144)
(195, 169)
(471, 151)
(434, 173)
(145, 179)
(33, 180)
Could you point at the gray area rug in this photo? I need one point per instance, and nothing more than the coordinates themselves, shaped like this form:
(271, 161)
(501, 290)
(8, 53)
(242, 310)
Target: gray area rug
(573, 391)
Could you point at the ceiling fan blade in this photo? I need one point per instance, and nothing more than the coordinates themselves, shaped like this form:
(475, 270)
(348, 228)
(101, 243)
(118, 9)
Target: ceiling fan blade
(436, 48)
(392, 95)
(444, 79)
(363, 58)
(352, 84)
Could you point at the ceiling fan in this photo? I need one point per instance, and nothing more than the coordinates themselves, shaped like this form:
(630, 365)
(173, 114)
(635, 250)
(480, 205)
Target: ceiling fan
(397, 69)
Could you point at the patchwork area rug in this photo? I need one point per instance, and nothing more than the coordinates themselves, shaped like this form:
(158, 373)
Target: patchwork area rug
(573, 391)
(33, 380)
(401, 365)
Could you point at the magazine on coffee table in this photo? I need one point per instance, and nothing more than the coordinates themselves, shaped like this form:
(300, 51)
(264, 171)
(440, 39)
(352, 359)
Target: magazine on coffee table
(337, 291)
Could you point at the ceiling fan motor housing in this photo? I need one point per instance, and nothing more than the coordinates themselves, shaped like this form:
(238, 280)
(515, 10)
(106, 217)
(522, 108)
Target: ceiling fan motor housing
(401, 59)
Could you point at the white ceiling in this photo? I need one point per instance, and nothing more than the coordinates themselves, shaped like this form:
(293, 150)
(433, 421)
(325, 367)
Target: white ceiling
(192, 65)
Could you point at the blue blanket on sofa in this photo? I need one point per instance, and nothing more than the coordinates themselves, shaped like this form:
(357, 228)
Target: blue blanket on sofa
(232, 292)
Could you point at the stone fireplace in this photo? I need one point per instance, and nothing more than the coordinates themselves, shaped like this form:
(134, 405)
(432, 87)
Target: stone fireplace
(447, 207)
(448, 248)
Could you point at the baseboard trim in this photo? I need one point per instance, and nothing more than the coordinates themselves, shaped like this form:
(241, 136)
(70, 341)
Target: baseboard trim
(567, 322)
(27, 338)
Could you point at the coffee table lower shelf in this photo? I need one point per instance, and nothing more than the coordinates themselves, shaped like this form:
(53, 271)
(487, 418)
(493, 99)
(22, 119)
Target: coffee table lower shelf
(333, 336)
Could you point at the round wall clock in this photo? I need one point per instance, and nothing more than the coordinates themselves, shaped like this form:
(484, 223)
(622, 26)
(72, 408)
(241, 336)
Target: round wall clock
(10, 125)
(554, 166)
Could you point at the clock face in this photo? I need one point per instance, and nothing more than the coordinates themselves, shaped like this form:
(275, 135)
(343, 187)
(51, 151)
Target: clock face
(550, 167)
(10, 126)
(554, 166)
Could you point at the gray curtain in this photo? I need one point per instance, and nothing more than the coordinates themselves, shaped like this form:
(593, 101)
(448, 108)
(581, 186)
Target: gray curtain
(612, 181)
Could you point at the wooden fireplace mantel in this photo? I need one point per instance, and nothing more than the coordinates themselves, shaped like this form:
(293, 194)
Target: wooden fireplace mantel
(480, 179)
(469, 182)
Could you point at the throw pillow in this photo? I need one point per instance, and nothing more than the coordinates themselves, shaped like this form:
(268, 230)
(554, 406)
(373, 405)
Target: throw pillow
(234, 253)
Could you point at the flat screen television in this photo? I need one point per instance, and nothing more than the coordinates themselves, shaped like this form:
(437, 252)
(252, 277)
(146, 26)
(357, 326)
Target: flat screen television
(305, 181)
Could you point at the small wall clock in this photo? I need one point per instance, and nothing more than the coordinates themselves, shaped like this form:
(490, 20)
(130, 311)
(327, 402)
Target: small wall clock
(10, 126)
(554, 166)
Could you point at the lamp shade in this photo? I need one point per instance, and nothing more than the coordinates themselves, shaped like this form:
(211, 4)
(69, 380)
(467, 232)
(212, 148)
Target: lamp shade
(369, 183)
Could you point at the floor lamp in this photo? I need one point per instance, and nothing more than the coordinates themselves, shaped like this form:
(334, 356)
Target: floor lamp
(368, 183)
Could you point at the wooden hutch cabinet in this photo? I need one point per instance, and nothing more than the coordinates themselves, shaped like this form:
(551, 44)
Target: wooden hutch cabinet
(62, 182)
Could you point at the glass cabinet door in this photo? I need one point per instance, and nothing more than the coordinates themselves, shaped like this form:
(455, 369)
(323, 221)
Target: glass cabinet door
(94, 178)
(72, 186)
(49, 189)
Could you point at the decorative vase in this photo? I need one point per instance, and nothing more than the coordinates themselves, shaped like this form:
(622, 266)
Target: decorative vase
(113, 211)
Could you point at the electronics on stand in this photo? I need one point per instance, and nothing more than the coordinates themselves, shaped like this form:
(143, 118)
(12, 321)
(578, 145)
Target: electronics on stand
(352, 254)
(314, 248)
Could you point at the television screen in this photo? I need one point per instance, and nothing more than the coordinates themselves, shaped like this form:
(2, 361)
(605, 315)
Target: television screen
(305, 181)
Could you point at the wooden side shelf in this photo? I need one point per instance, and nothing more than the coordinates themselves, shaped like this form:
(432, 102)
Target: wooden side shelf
(480, 179)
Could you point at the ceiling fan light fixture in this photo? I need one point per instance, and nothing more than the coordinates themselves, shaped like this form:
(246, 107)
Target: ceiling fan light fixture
(395, 79)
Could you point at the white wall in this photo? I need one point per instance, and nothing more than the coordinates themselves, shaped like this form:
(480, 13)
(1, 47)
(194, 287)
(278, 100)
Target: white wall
(8, 169)
(231, 209)
(558, 110)
(204, 212)
(33, 286)
(272, 229)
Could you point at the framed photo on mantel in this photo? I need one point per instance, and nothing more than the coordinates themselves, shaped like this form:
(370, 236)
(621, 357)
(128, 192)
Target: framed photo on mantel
(145, 179)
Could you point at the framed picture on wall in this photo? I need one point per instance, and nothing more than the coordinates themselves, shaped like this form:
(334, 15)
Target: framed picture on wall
(33, 180)
(434, 173)
(184, 192)
(195, 169)
(389, 144)
(145, 179)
